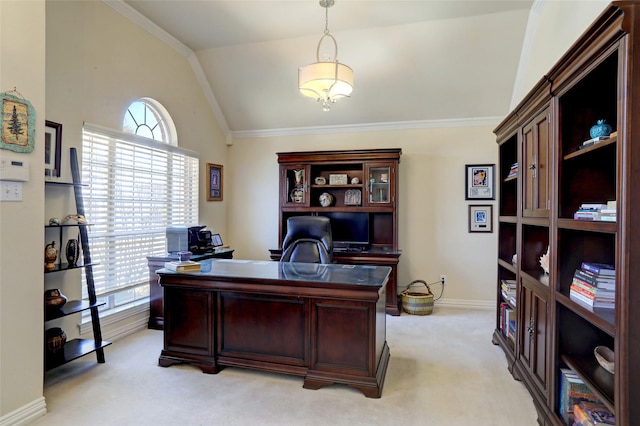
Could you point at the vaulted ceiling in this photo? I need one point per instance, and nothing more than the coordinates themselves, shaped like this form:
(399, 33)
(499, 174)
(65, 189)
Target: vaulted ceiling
(414, 62)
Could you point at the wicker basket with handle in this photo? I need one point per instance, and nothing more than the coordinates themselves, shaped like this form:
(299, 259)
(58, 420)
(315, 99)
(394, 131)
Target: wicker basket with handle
(417, 303)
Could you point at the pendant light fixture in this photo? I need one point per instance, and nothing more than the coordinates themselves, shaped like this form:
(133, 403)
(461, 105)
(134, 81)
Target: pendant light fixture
(326, 81)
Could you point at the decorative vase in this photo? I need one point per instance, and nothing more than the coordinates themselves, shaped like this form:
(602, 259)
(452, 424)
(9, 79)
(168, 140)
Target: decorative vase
(72, 252)
(50, 256)
(54, 299)
(56, 338)
(600, 129)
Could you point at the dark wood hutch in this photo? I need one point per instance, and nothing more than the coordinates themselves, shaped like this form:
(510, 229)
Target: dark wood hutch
(362, 204)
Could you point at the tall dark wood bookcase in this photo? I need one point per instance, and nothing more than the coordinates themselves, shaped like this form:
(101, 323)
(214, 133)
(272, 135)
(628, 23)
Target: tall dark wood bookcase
(598, 78)
(363, 185)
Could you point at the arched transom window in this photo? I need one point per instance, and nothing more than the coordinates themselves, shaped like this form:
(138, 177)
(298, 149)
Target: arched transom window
(148, 118)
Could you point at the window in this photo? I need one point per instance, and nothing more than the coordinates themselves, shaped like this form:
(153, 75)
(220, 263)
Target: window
(134, 188)
(147, 117)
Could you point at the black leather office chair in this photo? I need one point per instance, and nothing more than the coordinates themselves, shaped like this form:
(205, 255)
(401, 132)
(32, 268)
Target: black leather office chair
(308, 240)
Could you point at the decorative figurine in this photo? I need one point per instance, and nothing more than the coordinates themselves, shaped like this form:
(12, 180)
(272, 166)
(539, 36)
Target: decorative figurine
(77, 217)
(326, 199)
(54, 221)
(600, 129)
(355, 181)
(50, 256)
(544, 262)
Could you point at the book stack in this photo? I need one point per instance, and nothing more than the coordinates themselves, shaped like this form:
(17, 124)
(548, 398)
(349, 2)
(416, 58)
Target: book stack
(594, 285)
(508, 288)
(595, 211)
(588, 413)
(593, 141)
(508, 322)
(609, 214)
(589, 211)
(513, 171)
(572, 391)
(184, 266)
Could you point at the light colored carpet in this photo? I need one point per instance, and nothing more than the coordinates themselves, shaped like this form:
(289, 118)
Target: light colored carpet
(443, 370)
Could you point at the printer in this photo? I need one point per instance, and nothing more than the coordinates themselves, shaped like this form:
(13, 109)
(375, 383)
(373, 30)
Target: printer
(196, 239)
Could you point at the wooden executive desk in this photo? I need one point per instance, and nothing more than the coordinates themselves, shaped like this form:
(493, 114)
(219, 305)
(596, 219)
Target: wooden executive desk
(326, 323)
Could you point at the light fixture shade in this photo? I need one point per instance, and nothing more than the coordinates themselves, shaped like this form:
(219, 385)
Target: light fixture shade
(325, 81)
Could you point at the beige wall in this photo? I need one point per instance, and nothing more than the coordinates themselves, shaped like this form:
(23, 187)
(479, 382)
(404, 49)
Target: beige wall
(554, 25)
(94, 71)
(433, 233)
(95, 65)
(22, 66)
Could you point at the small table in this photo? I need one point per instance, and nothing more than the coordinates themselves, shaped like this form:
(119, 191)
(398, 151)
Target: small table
(156, 305)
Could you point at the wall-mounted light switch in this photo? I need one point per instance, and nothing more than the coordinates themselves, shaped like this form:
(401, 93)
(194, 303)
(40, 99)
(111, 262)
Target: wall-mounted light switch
(10, 191)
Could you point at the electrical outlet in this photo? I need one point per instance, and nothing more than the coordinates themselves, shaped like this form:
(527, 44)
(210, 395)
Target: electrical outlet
(443, 279)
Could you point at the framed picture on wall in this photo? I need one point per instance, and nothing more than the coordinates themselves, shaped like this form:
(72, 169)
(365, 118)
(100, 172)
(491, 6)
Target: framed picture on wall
(214, 182)
(480, 182)
(481, 218)
(52, 148)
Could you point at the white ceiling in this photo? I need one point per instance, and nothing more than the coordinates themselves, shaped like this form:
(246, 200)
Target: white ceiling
(414, 61)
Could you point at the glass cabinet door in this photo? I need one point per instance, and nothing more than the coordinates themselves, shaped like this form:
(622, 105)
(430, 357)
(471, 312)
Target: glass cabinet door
(380, 189)
(296, 185)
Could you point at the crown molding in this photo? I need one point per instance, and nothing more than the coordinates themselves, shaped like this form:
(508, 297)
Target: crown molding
(370, 127)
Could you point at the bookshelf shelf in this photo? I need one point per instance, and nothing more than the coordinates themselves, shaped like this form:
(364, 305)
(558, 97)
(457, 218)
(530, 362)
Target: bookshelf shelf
(599, 380)
(591, 148)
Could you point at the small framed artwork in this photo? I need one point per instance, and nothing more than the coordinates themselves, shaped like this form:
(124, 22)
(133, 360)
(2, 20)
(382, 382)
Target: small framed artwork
(52, 148)
(481, 218)
(214, 182)
(480, 182)
(18, 123)
(216, 240)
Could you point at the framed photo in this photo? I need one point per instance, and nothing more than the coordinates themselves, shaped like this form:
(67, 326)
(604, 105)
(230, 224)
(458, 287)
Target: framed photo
(481, 218)
(480, 182)
(214, 182)
(52, 148)
(216, 240)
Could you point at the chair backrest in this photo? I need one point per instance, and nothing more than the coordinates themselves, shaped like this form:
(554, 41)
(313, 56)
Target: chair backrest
(308, 240)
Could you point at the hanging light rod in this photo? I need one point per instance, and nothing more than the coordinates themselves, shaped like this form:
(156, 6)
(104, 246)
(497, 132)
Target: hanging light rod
(326, 81)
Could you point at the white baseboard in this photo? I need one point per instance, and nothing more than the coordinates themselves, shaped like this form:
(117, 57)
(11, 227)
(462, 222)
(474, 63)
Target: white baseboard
(115, 333)
(466, 304)
(25, 414)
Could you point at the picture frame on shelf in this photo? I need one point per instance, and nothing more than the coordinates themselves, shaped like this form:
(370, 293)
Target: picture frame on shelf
(481, 218)
(52, 148)
(480, 182)
(214, 182)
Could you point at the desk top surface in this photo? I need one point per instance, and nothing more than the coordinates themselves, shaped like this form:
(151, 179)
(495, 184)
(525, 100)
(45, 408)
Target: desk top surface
(362, 275)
